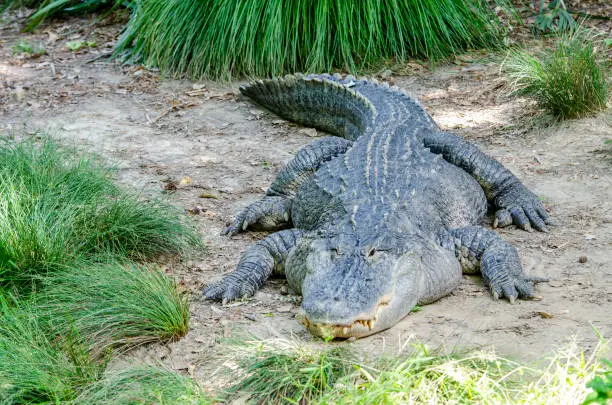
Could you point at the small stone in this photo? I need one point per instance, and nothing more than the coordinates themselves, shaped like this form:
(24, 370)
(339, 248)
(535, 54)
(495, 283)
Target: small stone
(284, 290)
(171, 186)
(385, 74)
(196, 210)
(582, 259)
(251, 318)
(311, 132)
(285, 308)
(19, 93)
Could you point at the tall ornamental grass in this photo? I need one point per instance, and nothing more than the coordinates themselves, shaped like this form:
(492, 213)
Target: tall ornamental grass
(70, 297)
(224, 39)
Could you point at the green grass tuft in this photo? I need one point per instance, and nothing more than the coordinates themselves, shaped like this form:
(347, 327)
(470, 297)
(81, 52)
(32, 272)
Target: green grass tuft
(35, 368)
(288, 373)
(28, 48)
(144, 385)
(68, 232)
(281, 372)
(49, 8)
(225, 39)
(423, 378)
(111, 306)
(57, 209)
(135, 229)
(601, 385)
(568, 83)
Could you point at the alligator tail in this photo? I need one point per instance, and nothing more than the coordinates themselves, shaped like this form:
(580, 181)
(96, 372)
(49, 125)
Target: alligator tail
(315, 101)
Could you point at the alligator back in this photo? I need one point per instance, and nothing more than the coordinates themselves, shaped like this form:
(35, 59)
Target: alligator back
(387, 172)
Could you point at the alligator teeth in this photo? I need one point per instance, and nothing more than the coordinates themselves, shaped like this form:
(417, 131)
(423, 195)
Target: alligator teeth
(369, 322)
(344, 330)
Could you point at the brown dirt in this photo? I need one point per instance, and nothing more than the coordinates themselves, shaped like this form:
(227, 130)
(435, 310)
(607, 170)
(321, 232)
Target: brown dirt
(220, 152)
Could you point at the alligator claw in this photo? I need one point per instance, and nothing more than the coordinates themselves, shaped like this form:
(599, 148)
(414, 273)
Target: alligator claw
(269, 213)
(223, 291)
(521, 207)
(512, 289)
(238, 225)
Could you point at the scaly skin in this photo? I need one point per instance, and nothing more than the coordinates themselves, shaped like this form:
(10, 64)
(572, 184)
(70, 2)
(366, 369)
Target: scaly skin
(383, 219)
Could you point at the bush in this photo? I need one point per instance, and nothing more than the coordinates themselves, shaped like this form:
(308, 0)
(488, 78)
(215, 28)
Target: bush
(567, 83)
(601, 386)
(224, 39)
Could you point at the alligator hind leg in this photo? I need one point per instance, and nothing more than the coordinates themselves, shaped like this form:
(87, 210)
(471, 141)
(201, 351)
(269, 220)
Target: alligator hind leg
(255, 266)
(305, 163)
(515, 203)
(273, 211)
(499, 262)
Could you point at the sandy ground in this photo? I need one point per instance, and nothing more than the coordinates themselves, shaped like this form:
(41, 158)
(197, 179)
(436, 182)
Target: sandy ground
(202, 145)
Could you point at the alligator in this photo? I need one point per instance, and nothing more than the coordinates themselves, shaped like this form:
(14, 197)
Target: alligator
(381, 215)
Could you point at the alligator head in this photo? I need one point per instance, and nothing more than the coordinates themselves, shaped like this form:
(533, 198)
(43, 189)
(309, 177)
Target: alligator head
(353, 287)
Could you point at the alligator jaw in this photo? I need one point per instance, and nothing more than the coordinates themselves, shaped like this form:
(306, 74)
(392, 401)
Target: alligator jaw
(363, 326)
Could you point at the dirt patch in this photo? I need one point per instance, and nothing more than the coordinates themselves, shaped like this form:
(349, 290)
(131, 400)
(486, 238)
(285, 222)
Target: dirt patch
(201, 145)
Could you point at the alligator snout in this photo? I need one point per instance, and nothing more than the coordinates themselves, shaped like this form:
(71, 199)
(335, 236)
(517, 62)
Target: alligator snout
(342, 327)
(358, 328)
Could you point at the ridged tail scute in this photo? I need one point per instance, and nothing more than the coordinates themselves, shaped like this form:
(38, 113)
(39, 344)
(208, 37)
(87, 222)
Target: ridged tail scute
(315, 102)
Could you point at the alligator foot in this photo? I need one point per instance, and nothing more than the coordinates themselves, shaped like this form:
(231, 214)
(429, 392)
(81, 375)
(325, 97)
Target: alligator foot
(520, 206)
(502, 271)
(498, 261)
(255, 266)
(269, 213)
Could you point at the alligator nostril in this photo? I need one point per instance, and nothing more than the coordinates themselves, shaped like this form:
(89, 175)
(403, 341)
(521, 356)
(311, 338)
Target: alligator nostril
(336, 299)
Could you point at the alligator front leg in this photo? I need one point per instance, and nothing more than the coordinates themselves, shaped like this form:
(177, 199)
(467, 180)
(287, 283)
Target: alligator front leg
(269, 213)
(480, 248)
(255, 266)
(273, 211)
(515, 203)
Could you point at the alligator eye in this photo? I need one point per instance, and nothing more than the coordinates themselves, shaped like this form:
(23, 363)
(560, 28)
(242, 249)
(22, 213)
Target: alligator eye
(371, 252)
(336, 251)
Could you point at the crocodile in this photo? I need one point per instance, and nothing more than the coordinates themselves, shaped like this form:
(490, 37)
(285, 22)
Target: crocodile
(379, 216)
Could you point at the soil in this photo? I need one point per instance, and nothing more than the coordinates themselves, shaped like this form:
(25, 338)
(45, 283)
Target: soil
(208, 151)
